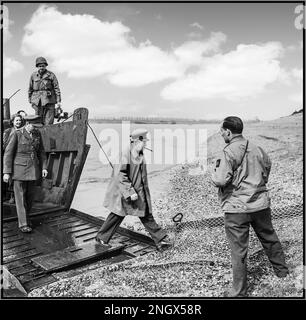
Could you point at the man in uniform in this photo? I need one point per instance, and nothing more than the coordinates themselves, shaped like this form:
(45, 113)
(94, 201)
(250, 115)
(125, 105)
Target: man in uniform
(44, 92)
(128, 194)
(23, 158)
(241, 174)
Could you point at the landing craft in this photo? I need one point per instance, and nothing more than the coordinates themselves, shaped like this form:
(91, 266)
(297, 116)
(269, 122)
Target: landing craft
(62, 237)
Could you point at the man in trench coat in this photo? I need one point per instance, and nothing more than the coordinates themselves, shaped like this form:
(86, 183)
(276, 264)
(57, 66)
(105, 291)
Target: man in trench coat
(128, 194)
(23, 158)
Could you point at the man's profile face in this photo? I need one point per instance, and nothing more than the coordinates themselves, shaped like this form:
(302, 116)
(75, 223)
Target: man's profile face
(225, 134)
(41, 68)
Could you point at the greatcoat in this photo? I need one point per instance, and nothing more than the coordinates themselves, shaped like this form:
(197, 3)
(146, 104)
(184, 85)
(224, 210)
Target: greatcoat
(129, 177)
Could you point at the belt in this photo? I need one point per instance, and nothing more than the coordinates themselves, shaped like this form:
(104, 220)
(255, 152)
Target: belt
(31, 155)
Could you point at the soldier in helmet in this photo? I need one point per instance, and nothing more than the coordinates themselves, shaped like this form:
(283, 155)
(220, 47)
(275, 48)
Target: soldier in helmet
(44, 92)
(23, 160)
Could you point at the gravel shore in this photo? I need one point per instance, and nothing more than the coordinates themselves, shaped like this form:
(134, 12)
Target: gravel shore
(198, 265)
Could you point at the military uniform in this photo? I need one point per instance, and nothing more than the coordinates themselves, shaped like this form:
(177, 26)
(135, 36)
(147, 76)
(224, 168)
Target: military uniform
(241, 173)
(23, 158)
(129, 178)
(44, 93)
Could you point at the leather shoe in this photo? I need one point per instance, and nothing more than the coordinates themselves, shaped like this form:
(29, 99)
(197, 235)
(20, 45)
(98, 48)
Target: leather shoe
(164, 243)
(25, 229)
(99, 241)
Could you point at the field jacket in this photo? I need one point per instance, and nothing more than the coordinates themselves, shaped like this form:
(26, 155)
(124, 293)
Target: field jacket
(241, 176)
(44, 89)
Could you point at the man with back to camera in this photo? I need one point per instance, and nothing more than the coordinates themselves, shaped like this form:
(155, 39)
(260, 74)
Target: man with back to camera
(44, 92)
(241, 174)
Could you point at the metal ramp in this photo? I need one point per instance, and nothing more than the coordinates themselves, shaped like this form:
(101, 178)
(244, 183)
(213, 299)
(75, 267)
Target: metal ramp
(63, 240)
(74, 256)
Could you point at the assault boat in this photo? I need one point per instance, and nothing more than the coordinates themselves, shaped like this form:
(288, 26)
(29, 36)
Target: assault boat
(63, 237)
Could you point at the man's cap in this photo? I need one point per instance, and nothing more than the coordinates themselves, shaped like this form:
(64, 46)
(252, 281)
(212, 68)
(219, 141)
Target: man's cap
(139, 134)
(32, 118)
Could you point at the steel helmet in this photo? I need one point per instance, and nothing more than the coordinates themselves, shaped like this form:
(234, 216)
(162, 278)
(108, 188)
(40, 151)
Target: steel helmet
(41, 60)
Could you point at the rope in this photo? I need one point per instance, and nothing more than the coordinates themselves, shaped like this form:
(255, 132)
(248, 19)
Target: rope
(100, 145)
(88, 125)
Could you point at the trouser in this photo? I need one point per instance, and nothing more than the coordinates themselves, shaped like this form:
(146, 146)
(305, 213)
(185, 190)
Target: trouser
(24, 196)
(237, 232)
(46, 112)
(113, 222)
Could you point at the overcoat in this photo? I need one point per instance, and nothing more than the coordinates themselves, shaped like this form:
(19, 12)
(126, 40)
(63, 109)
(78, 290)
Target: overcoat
(44, 89)
(129, 177)
(24, 156)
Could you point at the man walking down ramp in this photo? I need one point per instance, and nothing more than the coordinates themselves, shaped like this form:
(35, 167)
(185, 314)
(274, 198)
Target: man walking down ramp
(128, 194)
(241, 174)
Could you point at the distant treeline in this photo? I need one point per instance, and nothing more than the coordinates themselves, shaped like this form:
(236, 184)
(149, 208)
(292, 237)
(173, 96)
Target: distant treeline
(160, 121)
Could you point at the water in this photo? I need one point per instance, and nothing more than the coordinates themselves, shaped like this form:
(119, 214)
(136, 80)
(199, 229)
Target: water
(97, 172)
(97, 169)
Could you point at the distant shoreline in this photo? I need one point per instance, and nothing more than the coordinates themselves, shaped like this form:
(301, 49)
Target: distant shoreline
(164, 121)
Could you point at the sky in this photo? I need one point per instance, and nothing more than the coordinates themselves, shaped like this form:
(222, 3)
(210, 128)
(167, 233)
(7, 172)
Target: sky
(182, 60)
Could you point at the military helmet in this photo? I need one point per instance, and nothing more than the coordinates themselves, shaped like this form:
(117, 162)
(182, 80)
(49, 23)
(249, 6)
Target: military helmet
(41, 60)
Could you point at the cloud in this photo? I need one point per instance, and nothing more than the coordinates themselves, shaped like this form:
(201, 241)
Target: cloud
(87, 47)
(197, 25)
(6, 23)
(241, 73)
(297, 73)
(191, 53)
(10, 66)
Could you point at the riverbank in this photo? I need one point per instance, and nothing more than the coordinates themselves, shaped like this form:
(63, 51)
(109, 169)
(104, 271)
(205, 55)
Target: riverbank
(199, 265)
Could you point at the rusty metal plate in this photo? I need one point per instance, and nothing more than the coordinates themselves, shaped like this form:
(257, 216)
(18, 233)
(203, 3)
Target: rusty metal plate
(75, 255)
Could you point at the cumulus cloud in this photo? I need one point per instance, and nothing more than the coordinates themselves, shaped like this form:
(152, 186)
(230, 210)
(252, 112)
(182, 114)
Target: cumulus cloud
(87, 47)
(240, 73)
(197, 25)
(10, 66)
(6, 24)
(191, 53)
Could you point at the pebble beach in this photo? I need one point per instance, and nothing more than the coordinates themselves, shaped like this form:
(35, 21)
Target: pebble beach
(198, 265)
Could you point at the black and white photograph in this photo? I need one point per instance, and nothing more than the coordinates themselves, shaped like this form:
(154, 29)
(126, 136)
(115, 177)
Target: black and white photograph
(152, 150)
